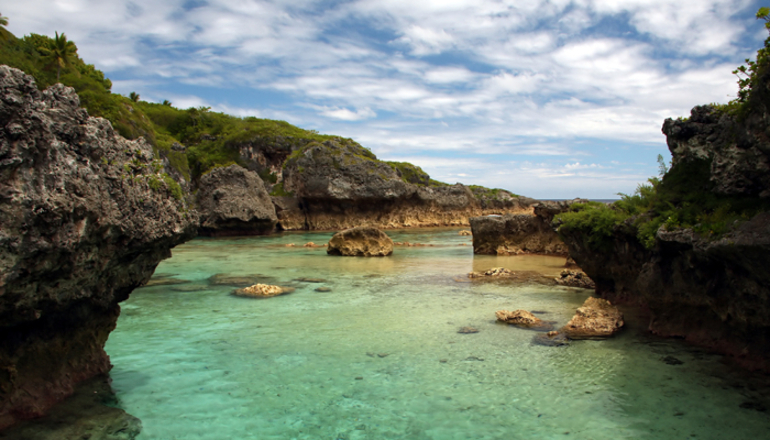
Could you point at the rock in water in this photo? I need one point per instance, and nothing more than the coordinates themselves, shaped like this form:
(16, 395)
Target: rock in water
(523, 319)
(262, 291)
(575, 278)
(85, 217)
(595, 319)
(361, 241)
(233, 201)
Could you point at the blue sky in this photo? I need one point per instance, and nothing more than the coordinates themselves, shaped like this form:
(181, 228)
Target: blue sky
(549, 99)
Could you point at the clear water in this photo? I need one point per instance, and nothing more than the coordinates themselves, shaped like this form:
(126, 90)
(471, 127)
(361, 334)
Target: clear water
(380, 356)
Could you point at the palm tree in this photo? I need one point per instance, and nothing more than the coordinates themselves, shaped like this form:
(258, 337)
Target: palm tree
(133, 96)
(3, 24)
(60, 53)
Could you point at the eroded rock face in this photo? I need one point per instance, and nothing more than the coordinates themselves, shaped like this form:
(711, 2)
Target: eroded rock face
(233, 201)
(84, 219)
(521, 233)
(361, 241)
(339, 184)
(597, 318)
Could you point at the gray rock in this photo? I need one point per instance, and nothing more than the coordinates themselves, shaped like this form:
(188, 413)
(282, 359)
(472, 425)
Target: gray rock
(85, 217)
(233, 201)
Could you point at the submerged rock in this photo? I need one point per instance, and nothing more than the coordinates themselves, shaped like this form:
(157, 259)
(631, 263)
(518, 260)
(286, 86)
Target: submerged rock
(262, 291)
(523, 319)
(223, 279)
(467, 330)
(597, 318)
(575, 278)
(494, 272)
(551, 339)
(85, 217)
(233, 201)
(361, 241)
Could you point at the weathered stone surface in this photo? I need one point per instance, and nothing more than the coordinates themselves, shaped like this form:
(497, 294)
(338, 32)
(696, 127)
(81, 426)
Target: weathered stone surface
(84, 219)
(360, 241)
(575, 278)
(262, 291)
(233, 201)
(523, 319)
(521, 233)
(339, 184)
(597, 318)
(465, 233)
(494, 272)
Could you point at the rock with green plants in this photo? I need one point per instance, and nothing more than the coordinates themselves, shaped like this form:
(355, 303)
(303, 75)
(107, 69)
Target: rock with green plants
(693, 245)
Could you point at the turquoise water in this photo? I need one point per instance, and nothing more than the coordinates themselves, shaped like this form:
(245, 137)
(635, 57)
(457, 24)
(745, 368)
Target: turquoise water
(380, 357)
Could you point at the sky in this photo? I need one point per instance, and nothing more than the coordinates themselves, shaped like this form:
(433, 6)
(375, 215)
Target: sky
(544, 98)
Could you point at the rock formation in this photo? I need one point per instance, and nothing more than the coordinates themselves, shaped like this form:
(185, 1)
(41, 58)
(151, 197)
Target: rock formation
(596, 319)
(85, 217)
(523, 319)
(233, 201)
(713, 291)
(262, 291)
(338, 184)
(520, 233)
(575, 278)
(361, 241)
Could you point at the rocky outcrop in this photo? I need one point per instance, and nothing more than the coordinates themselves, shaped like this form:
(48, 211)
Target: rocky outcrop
(521, 233)
(339, 184)
(597, 318)
(712, 291)
(522, 319)
(233, 201)
(575, 278)
(85, 217)
(361, 241)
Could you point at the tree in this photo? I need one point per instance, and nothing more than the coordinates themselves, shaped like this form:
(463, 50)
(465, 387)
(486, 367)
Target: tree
(60, 53)
(3, 24)
(133, 96)
(166, 102)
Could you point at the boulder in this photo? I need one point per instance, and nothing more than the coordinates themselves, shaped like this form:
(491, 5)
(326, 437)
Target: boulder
(262, 291)
(575, 278)
(523, 319)
(360, 241)
(85, 217)
(596, 319)
(233, 201)
(494, 272)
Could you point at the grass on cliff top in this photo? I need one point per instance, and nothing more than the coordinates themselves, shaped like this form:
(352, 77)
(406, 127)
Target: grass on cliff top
(489, 193)
(683, 198)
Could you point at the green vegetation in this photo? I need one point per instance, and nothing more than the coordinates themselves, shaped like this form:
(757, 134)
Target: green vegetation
(488, 193)
(59, 52)
(410, 173)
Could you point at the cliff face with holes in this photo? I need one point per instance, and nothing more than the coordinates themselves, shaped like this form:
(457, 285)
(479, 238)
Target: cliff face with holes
(712, 291)
(85, 217)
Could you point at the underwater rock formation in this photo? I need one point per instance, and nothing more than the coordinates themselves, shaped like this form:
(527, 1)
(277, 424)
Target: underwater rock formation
(233, 201)
(521, 233)
(362, 241)
(597, 318)
(85, 217)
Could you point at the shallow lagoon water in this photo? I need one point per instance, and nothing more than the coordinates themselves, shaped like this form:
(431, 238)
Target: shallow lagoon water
(380, 356)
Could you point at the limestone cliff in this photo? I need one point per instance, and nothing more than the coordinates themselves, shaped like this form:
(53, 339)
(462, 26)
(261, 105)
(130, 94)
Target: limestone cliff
(338, 184)
(85, 217)
(707, 286)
